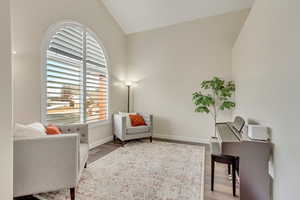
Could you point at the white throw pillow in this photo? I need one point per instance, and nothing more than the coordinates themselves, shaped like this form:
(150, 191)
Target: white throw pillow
(128, 120)
(39, 127)
(26, 131)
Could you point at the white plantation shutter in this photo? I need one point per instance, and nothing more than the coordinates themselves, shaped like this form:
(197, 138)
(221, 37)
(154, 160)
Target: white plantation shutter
(76, 77)
(96, 81)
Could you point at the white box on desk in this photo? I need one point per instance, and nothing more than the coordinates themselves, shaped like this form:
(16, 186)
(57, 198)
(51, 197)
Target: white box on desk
(257, 132)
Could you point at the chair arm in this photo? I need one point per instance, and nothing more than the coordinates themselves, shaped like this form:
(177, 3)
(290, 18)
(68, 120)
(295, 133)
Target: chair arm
(45, 163)
(81, 129)
(119, 125)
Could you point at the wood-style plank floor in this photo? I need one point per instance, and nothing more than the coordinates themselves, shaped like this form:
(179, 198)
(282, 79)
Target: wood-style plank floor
(223, 187)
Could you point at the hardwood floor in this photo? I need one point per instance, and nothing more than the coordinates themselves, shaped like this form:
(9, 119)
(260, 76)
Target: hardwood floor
(223, 187)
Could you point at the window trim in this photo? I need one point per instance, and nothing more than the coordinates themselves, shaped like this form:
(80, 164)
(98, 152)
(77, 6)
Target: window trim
(45, 44)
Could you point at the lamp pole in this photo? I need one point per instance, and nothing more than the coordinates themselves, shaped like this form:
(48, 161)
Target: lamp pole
(128, 98)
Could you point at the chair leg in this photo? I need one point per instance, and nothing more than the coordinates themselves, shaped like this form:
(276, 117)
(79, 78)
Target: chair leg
(212, 173)
(72, 193)
(114, 139)
(238, 165)
(229, 170)
(151, 139)
(123, 143)
(85, 165)
(234, 177)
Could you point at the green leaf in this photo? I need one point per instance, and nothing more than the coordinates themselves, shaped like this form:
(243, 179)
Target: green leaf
(227, 105)
(195, 95)
(202, 109)
(230, 85)
(218, 92)
(206, 84)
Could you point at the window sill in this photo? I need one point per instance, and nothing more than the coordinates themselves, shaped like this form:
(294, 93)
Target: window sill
(97, 124)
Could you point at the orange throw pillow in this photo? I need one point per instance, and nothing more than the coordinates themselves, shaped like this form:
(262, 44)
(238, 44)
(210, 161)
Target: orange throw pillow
(137, 120)
(52, 130)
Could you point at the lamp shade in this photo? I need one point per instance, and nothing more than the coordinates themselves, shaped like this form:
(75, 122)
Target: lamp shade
(128, 83)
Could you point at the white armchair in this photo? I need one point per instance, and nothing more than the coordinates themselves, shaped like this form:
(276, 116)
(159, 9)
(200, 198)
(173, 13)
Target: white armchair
(124, 133)
(50, 163)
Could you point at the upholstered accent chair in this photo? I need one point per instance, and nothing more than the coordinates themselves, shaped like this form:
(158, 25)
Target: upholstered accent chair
(122, 131)
(52, 162)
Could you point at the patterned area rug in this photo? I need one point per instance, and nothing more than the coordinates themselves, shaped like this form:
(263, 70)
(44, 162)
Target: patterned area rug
(142, 171)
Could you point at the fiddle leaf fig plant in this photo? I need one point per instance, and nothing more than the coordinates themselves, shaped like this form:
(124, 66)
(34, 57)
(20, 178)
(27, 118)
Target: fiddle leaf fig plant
(217, 96)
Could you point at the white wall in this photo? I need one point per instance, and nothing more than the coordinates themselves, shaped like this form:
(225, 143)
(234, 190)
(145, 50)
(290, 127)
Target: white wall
(169, 65)
(30, 22)
(266, 69)
(6, 142)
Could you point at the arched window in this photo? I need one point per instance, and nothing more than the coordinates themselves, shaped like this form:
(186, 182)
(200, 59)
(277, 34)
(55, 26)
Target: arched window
(75, 77)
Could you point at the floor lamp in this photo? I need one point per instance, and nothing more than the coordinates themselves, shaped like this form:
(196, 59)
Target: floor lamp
(128, 85)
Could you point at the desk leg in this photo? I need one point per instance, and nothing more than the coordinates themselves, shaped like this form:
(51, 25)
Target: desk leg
(212, 173)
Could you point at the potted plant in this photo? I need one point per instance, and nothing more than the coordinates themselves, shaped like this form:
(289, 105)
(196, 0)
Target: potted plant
(217, 98)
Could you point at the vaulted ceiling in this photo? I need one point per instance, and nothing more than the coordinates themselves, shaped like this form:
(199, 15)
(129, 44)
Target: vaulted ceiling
(141, 15)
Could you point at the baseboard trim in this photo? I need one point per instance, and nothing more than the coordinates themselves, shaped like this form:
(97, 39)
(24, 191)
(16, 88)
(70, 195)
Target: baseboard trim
(159, 136)
(100, 142)
(181, 138)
